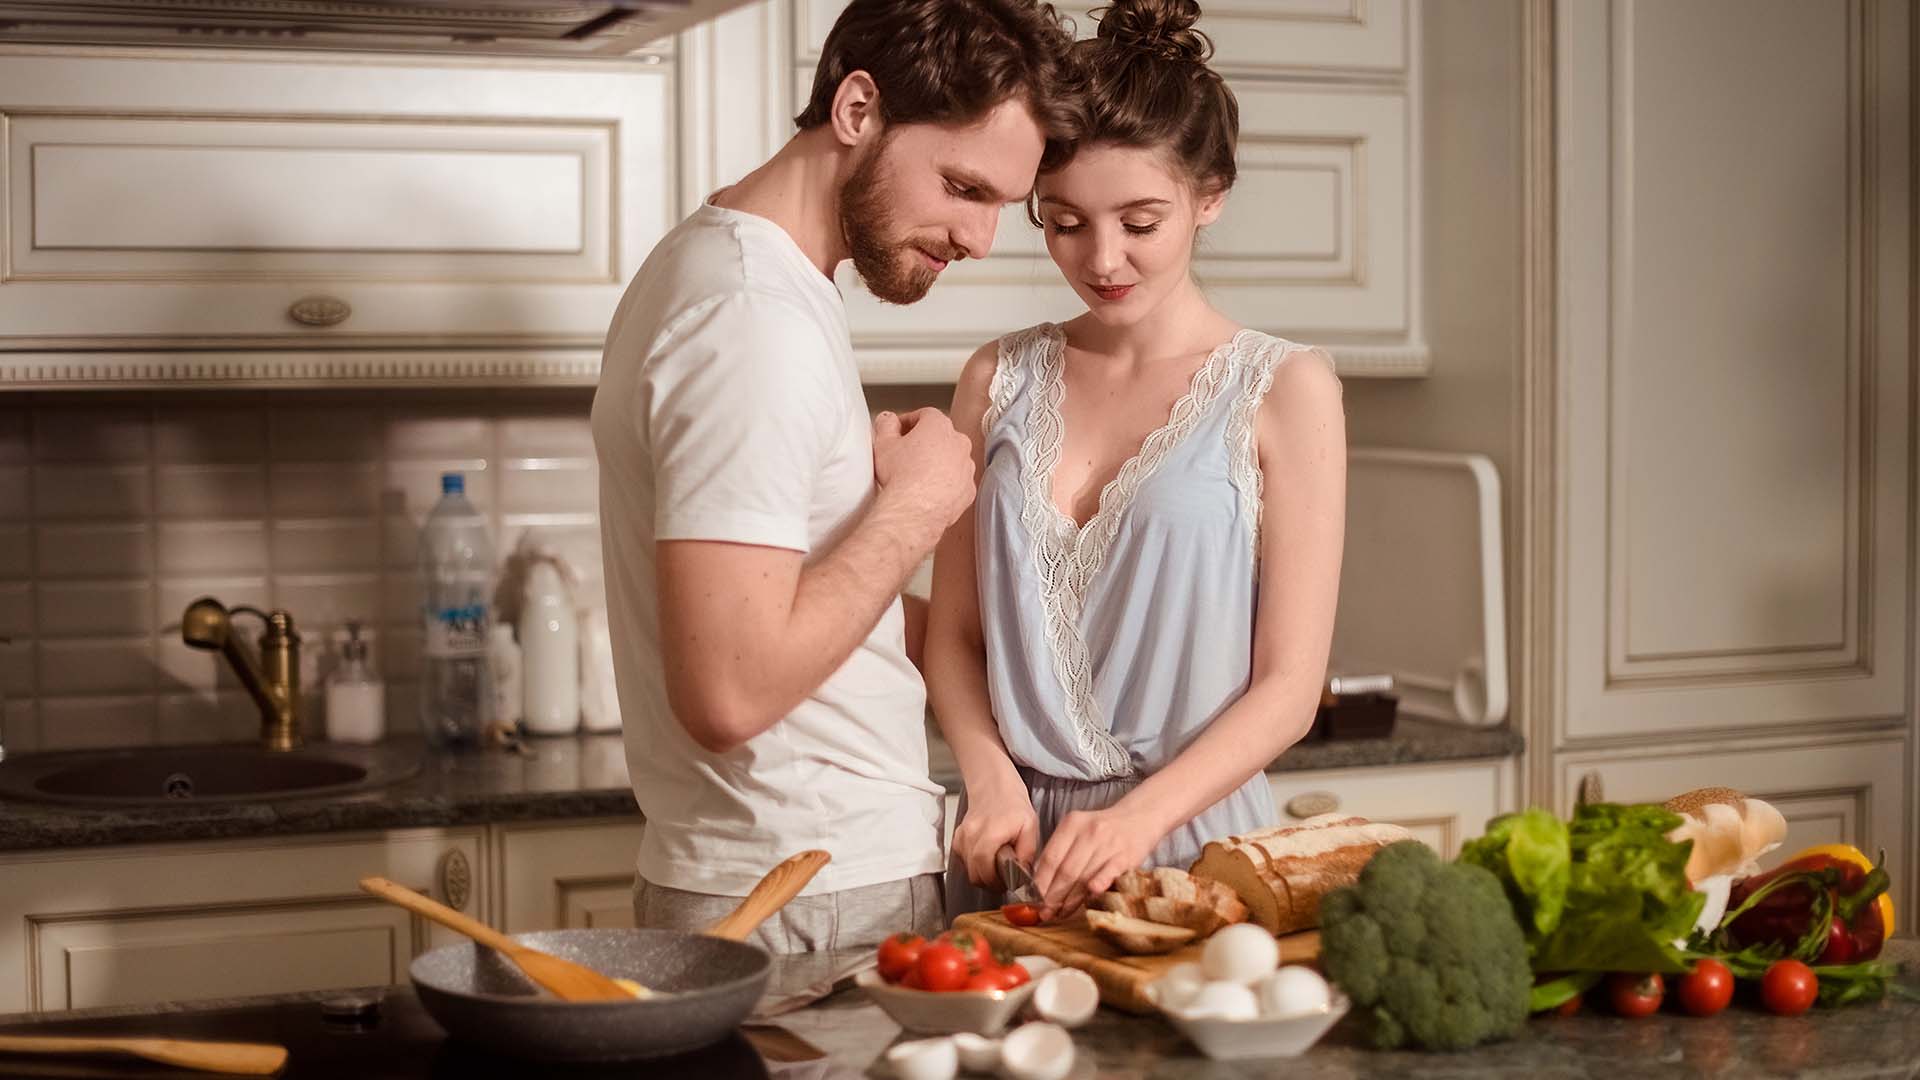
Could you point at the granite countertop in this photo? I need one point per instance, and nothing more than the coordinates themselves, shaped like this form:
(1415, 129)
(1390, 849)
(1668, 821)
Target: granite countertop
(845, 1036)
(581, 776)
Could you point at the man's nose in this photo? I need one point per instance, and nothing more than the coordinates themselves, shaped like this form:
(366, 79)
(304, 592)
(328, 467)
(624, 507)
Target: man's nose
(974, 237)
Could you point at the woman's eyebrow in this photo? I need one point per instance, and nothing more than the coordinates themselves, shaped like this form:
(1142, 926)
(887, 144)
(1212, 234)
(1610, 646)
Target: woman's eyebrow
(1137, 204)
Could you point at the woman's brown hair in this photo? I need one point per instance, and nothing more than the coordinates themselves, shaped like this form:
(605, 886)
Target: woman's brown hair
(1144, 82)
(946, 61)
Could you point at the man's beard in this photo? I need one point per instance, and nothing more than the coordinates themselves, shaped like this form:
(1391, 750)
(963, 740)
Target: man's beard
(892, 269)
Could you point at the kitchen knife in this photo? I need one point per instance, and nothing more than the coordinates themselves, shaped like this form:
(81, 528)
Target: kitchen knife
(1017, 878)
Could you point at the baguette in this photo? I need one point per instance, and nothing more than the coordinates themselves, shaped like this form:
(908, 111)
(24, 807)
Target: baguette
(1137, 936)
(1729, 831)
(1281, 873)
(1173, 897)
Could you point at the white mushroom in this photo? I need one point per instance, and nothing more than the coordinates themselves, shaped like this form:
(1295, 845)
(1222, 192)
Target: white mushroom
(1037, 1051)
(1243, 953)
(924, 1059)
(1067, 997)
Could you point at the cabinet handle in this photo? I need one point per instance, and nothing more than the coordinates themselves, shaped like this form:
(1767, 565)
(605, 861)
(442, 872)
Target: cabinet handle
(1589, 789)
(319, 311)
(456, 880)
(1312, 803)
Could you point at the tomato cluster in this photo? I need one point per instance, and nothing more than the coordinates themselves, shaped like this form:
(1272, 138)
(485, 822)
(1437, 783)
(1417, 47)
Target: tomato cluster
(955, 960)
(1788, 988)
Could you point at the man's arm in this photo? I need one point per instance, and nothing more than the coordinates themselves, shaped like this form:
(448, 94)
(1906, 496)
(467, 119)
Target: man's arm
(747, 632)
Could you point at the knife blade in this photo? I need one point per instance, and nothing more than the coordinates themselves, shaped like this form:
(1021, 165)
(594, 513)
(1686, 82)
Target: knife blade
(1017, 878)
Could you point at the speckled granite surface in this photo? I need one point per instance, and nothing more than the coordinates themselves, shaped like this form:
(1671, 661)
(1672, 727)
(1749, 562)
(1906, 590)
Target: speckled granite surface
(845, 1036)
(578, 777)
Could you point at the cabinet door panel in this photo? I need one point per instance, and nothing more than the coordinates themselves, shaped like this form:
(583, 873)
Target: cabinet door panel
(567, 876)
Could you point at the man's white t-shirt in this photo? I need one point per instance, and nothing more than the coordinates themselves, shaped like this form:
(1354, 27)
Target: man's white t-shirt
(730, 409)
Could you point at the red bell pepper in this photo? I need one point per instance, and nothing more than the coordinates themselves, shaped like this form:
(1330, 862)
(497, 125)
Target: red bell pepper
(1826, 905)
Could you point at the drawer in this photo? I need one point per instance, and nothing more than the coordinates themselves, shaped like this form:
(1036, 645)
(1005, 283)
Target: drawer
(1442, 806)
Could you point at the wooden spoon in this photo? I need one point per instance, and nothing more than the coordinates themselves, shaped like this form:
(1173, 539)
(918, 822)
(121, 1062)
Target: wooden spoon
(781, 884)
(567, 980)
(243, 1059)
(575, 982)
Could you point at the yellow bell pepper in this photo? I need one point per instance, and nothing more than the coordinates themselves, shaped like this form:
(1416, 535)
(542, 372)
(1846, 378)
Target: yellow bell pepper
(1847, 853)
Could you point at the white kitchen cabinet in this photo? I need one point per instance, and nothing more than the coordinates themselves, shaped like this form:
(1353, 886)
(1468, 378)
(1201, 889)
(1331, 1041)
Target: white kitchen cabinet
(1320, 238)
(123, 925)
(565, 876)
(210, 215)
(1723, 572)
(1443, 805)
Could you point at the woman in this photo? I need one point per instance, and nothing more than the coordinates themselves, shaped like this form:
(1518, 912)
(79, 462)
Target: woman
(1133, 621)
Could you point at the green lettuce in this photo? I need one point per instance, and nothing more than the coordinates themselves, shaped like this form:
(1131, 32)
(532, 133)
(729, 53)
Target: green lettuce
(1605, 892)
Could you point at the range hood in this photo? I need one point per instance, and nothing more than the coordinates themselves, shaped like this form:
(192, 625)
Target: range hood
(536, 27)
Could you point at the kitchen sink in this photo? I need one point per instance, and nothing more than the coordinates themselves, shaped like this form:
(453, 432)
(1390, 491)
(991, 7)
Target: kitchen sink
(218, 774)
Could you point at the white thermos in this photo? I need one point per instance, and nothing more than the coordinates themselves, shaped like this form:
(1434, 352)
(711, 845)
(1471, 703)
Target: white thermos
(549, 652)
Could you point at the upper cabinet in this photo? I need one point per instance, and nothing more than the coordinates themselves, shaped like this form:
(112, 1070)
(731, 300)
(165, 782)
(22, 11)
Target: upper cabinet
(1319, 242)
(231, 217)
(311, 217)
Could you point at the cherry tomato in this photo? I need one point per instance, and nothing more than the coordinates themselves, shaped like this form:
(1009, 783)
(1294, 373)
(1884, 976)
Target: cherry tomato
(1568, 1007)
(1016, 975)
(942, 967)
(997, 977)
(1841, 947)
(1635, 995)
(1706, 989)
(1021, 914)
(898, 954)
(1789, 988)
(977, 952)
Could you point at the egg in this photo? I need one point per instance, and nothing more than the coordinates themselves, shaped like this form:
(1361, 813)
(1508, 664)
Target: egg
(1292, 991)
(1222, 1001)
(1178, 986)
(924, 1059)
(1067, 997)
(978, 1054)
(1037, 965)
(1037, 1051)
(1242, 953)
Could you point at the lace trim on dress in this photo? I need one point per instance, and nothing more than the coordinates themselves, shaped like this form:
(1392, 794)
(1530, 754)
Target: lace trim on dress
(1068, 556)
(1005, 383)
(1243, 450)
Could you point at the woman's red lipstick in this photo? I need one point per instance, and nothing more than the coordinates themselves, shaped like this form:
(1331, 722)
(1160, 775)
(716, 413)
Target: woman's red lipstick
(1111, 292)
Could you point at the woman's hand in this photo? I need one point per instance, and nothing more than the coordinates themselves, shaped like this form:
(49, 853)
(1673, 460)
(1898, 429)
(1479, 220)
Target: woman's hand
(996, 819)
(1088, 850)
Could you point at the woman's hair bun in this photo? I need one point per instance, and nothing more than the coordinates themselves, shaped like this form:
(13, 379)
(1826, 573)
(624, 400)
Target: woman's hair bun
(1163, 28)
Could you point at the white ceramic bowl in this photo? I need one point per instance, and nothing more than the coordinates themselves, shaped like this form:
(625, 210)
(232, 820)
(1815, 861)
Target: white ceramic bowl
(1277, 1037)
(983, 1012)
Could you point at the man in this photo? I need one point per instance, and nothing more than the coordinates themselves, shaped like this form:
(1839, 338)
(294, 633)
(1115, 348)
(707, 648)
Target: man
(756, 528)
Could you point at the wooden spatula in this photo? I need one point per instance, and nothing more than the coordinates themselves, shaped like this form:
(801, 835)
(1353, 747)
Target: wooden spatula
(567, 980)
(240, 1059)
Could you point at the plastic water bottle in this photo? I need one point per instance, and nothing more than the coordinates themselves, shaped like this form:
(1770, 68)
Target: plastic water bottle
(456, 574)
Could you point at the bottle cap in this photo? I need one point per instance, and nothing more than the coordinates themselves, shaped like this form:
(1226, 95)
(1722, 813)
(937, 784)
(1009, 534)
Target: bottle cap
(453, 483)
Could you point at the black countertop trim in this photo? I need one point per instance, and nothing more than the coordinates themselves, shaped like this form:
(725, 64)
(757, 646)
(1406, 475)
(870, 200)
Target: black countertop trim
(571, 778)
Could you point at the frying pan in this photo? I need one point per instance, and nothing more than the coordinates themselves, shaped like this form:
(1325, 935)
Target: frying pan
(705, 985)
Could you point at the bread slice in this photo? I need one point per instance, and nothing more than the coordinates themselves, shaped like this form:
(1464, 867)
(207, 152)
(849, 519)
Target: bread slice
(1137, 936)
(1729, 831)
(1281, 873)
(1173, 897)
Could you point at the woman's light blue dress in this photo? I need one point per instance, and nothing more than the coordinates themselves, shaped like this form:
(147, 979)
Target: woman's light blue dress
(1110, 647)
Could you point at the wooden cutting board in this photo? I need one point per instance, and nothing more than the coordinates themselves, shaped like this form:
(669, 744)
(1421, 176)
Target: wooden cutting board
(1122, 978)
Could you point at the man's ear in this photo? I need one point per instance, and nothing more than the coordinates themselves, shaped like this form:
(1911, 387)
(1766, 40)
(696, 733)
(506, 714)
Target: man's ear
(855, 116)
(1207, 210)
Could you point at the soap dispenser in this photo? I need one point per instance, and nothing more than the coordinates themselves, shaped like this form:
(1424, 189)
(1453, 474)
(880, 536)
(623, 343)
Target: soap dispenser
(356, 698)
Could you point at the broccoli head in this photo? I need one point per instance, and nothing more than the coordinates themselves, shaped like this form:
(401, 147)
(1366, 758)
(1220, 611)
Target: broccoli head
(1430, 950)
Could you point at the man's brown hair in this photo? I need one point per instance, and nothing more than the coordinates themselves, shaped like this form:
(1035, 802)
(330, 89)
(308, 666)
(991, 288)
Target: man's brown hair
(946, 61)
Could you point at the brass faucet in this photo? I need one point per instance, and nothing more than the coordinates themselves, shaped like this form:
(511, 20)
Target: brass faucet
(273, 680)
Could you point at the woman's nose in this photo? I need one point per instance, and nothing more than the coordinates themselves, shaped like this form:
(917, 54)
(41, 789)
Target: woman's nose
(1107, 257)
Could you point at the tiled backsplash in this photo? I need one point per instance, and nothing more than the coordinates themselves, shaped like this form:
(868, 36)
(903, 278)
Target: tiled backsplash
(116, 511)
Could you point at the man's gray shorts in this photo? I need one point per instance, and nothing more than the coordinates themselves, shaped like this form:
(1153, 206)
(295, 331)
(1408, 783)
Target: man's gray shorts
(853, 918)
